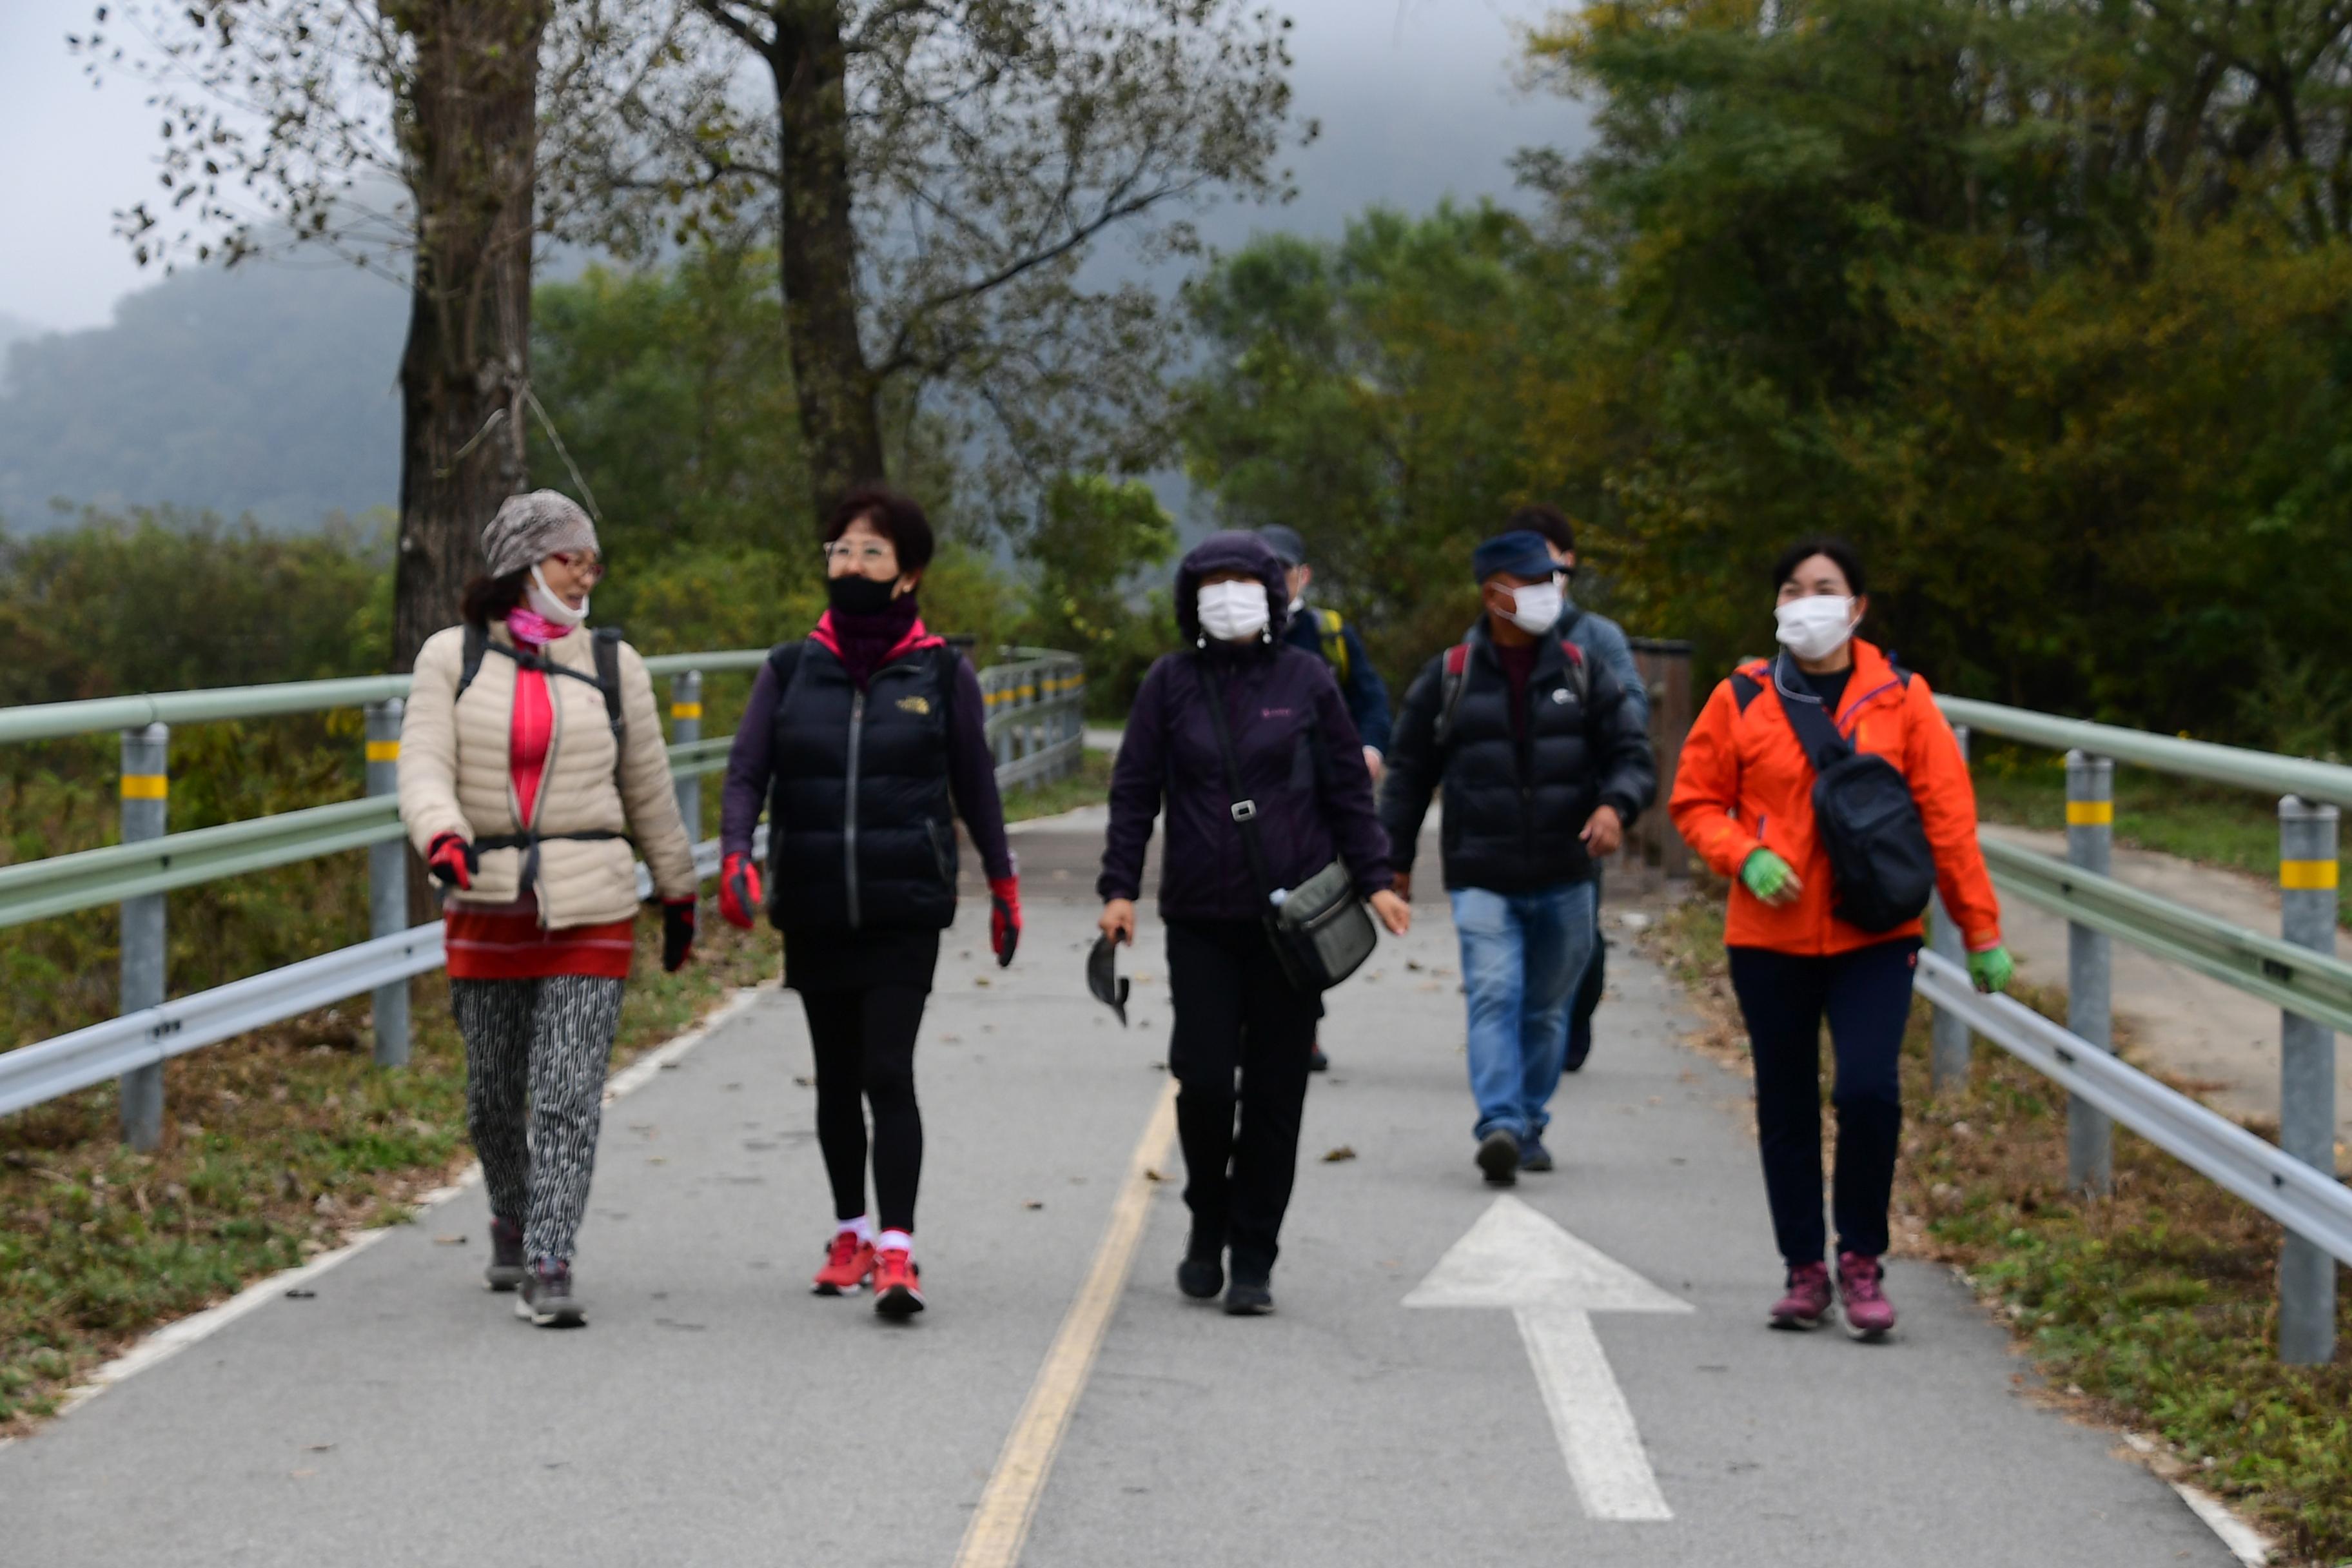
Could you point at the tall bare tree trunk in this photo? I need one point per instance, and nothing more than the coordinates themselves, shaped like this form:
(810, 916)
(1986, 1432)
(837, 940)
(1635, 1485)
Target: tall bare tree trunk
(471, 133)
(841, 422)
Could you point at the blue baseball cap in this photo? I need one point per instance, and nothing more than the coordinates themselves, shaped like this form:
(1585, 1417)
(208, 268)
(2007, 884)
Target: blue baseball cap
(1520, 552)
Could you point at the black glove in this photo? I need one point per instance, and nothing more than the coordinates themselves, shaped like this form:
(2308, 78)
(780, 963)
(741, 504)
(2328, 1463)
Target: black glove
(677, 934)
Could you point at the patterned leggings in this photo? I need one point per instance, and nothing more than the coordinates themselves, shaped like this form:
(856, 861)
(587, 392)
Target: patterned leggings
(540, 1046)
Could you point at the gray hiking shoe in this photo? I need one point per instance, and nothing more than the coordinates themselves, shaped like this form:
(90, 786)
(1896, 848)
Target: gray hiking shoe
(547, 1300)
(1533, 1155)
(1498, 1157)
(507, 1268)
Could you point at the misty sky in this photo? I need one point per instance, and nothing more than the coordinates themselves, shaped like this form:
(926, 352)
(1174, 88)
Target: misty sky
(1415, 98)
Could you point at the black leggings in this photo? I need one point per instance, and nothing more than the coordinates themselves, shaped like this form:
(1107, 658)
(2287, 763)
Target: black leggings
(1865, 995)
(865, 1043)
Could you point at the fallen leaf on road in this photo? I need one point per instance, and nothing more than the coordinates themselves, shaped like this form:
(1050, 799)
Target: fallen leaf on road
(320, 1449)
(950, 1039)
(1033, 1203)
(805, 1082)
(300, 1294)
(1150, 1175)
(1342, 1153)
(448, 1241)
(981, 980)
(300, 1474)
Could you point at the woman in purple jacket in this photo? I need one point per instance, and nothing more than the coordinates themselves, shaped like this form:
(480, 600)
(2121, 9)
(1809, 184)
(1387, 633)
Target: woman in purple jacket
(1235, 1007)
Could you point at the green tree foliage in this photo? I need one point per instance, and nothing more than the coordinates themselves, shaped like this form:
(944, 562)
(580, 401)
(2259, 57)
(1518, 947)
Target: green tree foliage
(160, 601)
(2048, 306)
(1090, 537)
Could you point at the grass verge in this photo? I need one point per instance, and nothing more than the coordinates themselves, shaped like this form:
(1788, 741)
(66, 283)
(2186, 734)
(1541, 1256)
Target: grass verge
(2207, 822)
(2154, 1310)
(1090, 786)
(275, 1145)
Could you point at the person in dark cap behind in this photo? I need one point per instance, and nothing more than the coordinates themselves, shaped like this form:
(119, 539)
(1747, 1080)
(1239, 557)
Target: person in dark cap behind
(1326, 635)
(1543, 761)
(1601, 639)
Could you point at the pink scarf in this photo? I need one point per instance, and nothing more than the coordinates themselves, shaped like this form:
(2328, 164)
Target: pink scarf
(534, 629)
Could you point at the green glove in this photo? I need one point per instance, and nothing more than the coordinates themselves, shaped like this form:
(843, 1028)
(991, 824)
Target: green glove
(1766, 874)
(1992, 968)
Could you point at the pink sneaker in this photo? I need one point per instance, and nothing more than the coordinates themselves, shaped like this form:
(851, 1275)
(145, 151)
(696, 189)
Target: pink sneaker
(1808, 1299)
(1869, 1315)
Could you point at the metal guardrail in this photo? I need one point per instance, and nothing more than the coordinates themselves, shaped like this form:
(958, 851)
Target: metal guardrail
(1036, 714)
(1036, 707)
(2261, 771)
(55, 720)
(2307, 1201)
(2297, 970)
(2318, 986)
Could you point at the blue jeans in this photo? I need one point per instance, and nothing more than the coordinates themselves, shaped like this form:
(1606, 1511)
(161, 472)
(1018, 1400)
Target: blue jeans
(1522, 954)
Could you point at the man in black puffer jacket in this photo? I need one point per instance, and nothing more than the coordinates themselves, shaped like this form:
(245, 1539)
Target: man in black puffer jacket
(1543, 761)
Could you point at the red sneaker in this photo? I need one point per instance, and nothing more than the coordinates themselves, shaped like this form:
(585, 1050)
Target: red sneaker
(847, 1263)
(1869, 1315)
(1807, 1300)
(897, 1283)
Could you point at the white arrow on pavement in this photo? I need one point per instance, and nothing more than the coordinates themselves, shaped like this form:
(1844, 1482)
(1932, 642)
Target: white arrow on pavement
(1552, 1283)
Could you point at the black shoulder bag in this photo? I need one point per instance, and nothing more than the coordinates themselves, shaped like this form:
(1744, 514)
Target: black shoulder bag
(1881, 868)
(1320, 928)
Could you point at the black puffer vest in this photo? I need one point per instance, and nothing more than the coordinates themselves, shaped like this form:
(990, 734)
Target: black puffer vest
(860, 834)
(1516, 804)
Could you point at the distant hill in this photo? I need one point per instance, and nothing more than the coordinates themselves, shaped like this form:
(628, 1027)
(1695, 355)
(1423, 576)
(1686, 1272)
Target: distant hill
(271, 389)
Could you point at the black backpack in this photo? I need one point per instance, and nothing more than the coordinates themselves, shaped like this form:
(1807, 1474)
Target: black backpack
(1882, 870)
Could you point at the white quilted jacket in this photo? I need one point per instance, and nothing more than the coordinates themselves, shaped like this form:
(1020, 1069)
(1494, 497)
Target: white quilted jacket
(455, 777)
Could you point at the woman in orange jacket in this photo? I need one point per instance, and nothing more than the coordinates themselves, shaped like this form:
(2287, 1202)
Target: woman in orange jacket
(1743, 799)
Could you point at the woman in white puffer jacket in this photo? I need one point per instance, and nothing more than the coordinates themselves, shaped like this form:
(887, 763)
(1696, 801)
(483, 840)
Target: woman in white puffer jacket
(531, 753)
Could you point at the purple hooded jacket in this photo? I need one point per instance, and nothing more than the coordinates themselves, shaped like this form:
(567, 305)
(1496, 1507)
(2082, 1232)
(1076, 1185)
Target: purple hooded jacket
(1300, 759)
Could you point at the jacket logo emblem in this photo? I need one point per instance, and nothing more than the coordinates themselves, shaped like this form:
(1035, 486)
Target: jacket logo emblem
(1560, 695)
(914, 705)
(1273, 712)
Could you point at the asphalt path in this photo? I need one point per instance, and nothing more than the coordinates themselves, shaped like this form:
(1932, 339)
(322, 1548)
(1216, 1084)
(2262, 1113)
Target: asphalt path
(714, 1412)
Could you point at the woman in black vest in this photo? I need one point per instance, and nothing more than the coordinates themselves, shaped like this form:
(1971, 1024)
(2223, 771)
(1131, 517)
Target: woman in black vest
(860, 739)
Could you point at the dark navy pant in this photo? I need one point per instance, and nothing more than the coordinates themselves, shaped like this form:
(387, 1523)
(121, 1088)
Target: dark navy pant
(1865, 995)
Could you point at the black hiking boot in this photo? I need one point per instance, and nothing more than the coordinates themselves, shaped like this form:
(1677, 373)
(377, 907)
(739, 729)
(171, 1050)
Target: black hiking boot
(507, 1268)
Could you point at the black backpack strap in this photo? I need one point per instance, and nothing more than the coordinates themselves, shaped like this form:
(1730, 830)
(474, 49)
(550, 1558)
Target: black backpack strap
(1745, 688)
(1454, 675)
(477, 639)
(608, 650)
(1817, 732)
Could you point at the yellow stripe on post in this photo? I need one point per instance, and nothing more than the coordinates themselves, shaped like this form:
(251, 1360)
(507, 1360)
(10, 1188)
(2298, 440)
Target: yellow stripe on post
(686, 710)
(383, 751)
(2307, 876)
(2090, 813)
(146, 787)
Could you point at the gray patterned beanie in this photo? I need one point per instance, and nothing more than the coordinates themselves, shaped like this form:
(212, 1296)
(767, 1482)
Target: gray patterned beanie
(530, 527)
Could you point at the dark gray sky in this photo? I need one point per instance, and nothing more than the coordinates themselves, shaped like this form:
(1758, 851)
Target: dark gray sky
(1415, 97)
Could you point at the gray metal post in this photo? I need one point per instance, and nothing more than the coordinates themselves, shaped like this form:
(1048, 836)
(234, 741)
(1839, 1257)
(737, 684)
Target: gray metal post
(2307, 1077)
(2090, 843)
(685, 725)
(1948, 1059)
(998, 698)
(146, 795)
(387, 880)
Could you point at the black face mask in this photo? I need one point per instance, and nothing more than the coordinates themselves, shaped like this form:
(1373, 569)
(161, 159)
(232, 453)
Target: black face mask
(856, 595)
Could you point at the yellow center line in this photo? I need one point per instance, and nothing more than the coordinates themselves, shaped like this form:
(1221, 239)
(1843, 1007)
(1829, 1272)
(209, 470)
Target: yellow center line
(994, 1537)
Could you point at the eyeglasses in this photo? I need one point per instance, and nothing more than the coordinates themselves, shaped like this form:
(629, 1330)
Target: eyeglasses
(585, 564)
(861, 554)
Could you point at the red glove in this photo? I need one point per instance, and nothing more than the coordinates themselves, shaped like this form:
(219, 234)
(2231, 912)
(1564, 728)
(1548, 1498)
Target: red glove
(453, 862)
(740, 894)
(678, 933)
(1004, 917)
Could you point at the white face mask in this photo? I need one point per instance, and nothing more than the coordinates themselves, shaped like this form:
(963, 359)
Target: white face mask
(543, 600)
(1536, 606)
(1816, 625)
(1234, 612)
